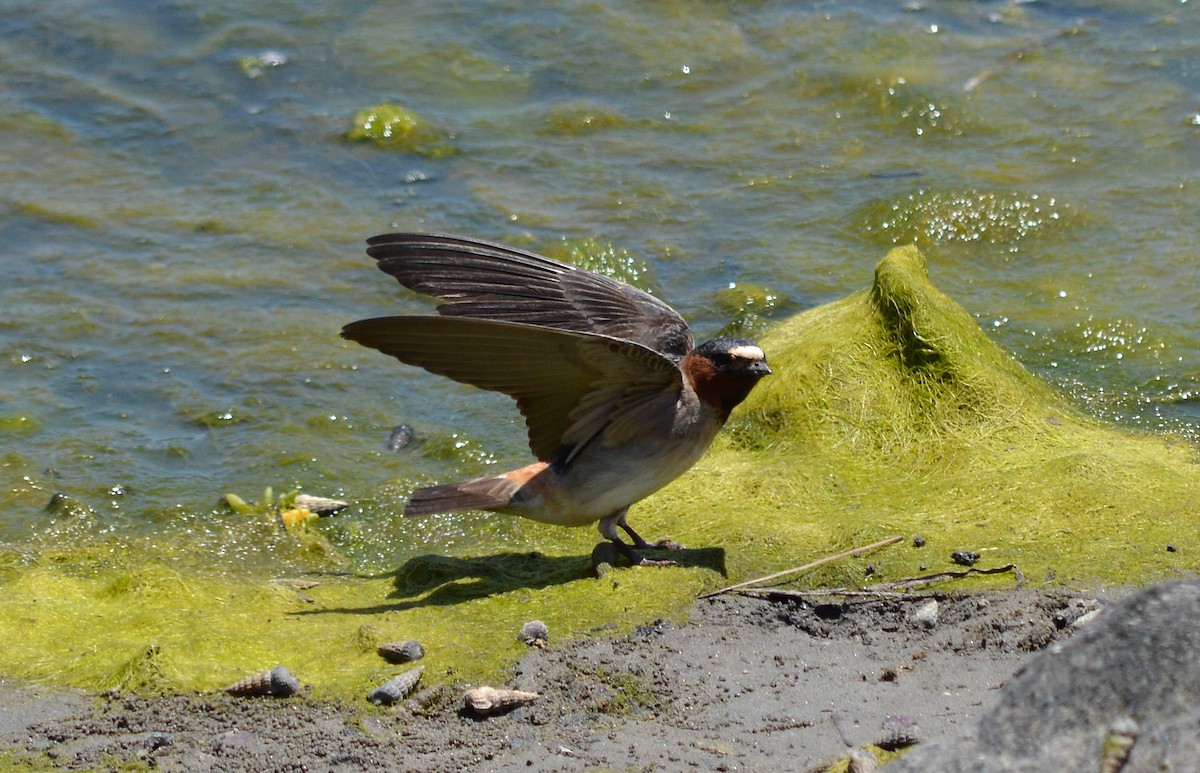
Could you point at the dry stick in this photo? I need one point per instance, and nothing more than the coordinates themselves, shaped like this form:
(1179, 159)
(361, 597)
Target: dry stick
(813, 565)
(885, 590)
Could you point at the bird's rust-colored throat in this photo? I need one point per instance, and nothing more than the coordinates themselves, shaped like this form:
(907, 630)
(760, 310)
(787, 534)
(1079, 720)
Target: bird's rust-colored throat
(720, 387)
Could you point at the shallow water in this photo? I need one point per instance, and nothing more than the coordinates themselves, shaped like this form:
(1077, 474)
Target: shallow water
(183, 217)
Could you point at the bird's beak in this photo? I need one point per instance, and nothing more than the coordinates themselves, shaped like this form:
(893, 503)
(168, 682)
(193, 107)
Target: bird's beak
(760, 369)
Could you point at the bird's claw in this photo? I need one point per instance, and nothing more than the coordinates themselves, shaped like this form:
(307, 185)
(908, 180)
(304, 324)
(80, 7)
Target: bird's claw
(636, 558)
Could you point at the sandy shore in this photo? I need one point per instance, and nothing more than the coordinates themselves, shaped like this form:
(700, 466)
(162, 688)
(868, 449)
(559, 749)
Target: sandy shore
(747, 684)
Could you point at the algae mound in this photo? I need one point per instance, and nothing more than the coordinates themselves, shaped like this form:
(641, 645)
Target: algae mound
(891, 412)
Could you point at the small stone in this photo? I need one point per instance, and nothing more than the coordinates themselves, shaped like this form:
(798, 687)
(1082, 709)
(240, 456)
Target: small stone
(918, 541)
(1171, 548)
(926, 615)
(156, 741)
(964, 557)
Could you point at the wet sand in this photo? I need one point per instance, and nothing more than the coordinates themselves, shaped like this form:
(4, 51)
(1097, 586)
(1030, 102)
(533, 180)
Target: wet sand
(749, 684)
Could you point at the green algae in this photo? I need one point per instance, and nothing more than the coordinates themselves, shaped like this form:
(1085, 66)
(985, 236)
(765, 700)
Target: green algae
(18, 425)
(896, 413)
(392, 126)
(890, 412)
(574, 119)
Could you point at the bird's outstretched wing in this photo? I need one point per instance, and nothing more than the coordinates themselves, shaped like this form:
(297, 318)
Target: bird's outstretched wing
(569, 386)
(482, 280)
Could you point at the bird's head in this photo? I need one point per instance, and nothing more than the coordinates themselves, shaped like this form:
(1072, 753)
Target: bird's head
(724, 370)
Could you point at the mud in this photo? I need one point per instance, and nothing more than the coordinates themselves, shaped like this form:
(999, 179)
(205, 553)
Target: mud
(749, 684)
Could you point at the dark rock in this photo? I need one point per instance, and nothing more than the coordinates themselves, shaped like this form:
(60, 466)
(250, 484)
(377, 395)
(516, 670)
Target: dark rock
(1121, 695)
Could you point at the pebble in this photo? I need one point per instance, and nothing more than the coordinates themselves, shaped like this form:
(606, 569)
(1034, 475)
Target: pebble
(964, 557)
(927, 614)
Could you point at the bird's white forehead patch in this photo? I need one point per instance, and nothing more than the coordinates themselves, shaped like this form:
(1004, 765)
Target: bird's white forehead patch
(747, 352)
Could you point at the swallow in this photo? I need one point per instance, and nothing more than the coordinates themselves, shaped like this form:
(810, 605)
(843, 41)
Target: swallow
(617, 398)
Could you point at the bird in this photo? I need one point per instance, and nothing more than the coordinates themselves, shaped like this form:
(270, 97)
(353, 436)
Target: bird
(618, 399)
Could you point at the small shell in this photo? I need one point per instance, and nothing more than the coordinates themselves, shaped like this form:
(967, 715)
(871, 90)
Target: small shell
(319, 505)
(899, 732)
(1121, 736)
(485, 700)
(401, 436)
(396, 689)
(861, 761)
(401, 651)
(534, 633)
(276, 683)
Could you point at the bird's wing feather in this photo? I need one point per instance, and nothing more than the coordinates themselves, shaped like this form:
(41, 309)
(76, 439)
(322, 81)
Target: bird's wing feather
(569, 386)
(482, 280)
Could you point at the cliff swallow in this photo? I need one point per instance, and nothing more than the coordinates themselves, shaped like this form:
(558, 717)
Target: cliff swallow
(617, 399)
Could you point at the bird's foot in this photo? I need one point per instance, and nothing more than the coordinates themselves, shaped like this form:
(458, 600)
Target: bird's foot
(642, 544)
(637, 559)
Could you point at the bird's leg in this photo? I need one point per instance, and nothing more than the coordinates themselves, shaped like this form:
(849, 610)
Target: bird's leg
(608, 527)
(641, 544)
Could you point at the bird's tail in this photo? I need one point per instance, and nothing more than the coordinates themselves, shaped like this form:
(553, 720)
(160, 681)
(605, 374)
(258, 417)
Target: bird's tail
(479, 494)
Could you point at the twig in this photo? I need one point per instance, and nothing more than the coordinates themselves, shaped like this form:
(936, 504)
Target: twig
(952, 575)
(869, 595)
(812, 565)
(883, 590)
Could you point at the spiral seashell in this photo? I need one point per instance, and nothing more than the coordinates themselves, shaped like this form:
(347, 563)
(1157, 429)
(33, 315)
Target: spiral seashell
(322, 506)
(401, 436)
(401, 651)
(397, 688)
(899, 732)
(276, 683)
(1118, 742)
(534, 633)
(483, 701)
